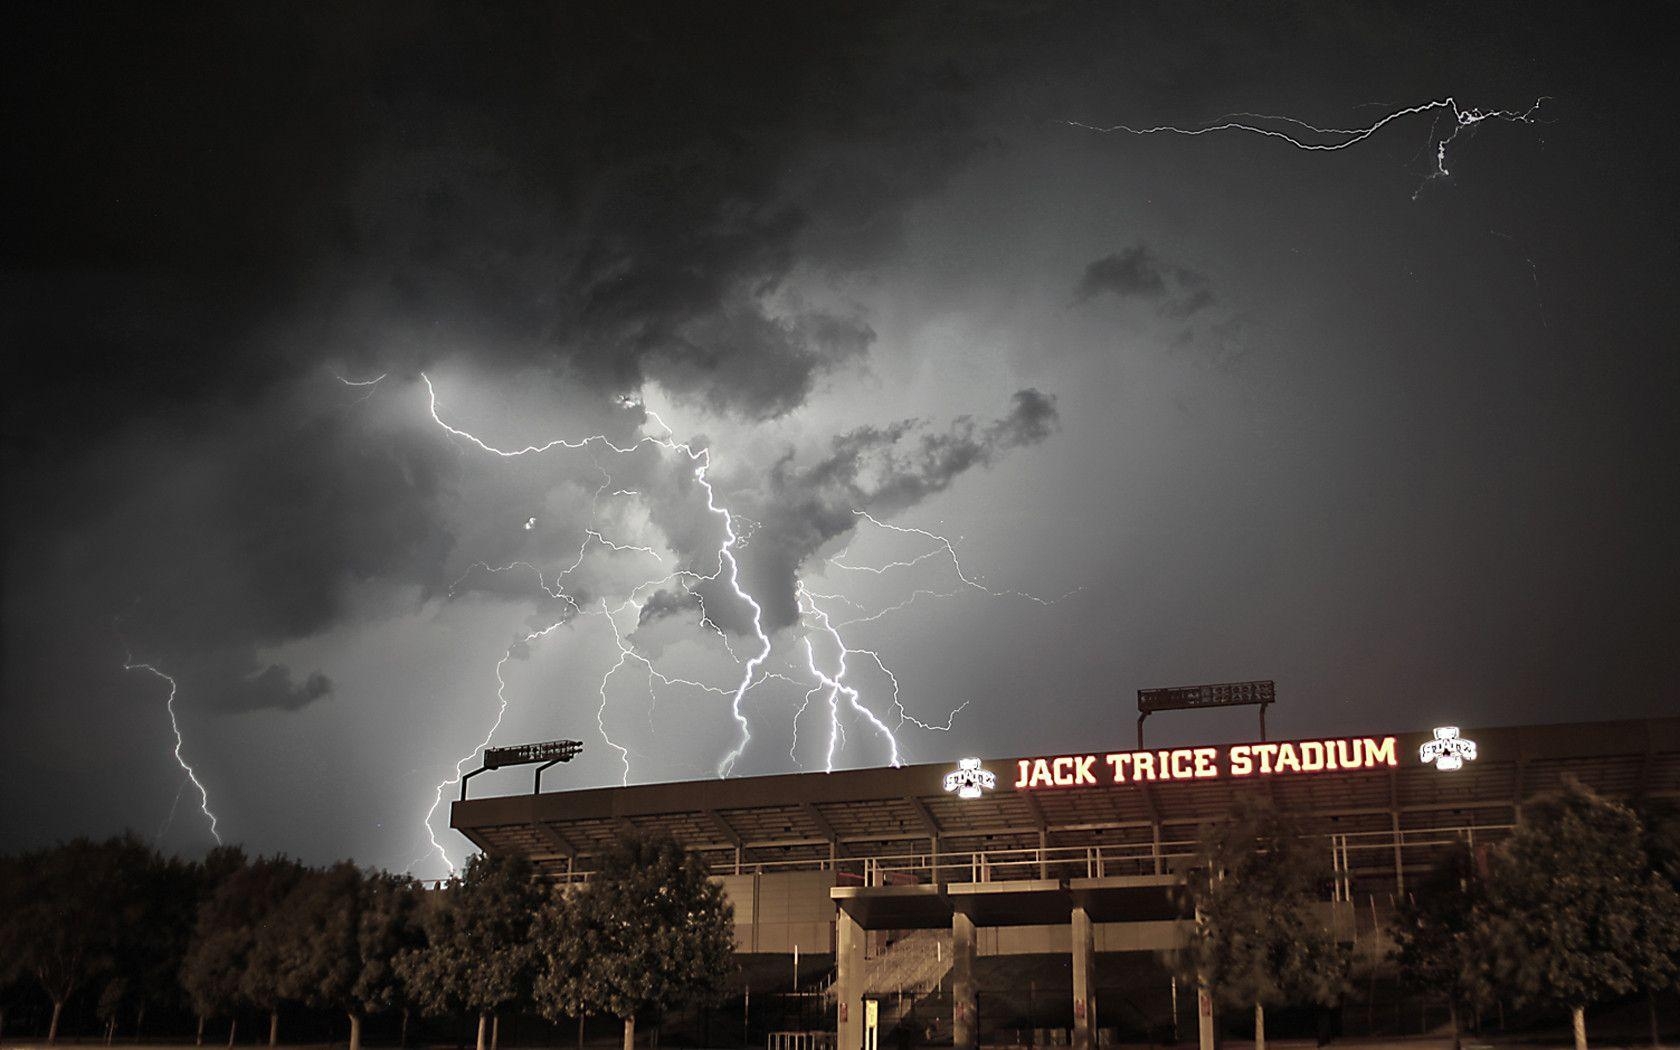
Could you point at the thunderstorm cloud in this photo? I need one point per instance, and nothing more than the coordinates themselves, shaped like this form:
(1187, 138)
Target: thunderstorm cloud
(1138, 273)
(880, 469)
(856, 259)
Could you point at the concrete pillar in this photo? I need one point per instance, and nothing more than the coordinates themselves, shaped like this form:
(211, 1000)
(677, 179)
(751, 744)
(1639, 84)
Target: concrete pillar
(1399, 854)
(1204, 1013)
(848, 981)
(1043, 853)
(965, 1031)
(1084, 981)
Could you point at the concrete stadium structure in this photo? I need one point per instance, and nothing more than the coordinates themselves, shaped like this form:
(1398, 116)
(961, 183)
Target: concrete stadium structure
(1074, 853)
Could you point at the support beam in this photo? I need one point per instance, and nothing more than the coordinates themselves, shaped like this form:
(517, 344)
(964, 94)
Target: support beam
(1394, 829)
(824, 828)
(931, 825)
(965, 1030)
(1037, 811)
(848, 981)
(548, 834)
(723, 827)
(1084, 981)
(923, 814)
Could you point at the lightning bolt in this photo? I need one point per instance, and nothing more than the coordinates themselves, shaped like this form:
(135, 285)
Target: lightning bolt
(728, 571)
(501, 712)
(837, 687)
(1295, 132)
(129, 664)
(829, 673)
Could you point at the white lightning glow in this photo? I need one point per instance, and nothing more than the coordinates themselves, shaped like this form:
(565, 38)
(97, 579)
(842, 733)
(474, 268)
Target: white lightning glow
(129, 664)
(837, 687)
(844, 699)
(728, 569)
(501, 712)
(1295, 132)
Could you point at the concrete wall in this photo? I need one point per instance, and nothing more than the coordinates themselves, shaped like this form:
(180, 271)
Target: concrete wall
(776, 911)
(1107, 937)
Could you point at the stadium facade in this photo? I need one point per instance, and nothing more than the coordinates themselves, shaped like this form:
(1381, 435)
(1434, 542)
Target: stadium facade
(1076, 853)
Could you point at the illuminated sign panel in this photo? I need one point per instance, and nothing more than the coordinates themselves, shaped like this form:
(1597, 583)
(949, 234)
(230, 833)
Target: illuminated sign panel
(970, 780)
(1205, 763)
(1448, 750)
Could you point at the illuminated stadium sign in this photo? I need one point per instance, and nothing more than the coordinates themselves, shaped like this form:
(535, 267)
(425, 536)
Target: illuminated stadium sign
(1286, 758)
(1448, 750)
(968, 780)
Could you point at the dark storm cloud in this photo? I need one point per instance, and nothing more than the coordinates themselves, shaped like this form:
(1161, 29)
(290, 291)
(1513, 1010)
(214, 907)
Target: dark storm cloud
(603, 194)
(550, 185)
(1138, 273)
(272, 687)
(665, 603)
(883, 470)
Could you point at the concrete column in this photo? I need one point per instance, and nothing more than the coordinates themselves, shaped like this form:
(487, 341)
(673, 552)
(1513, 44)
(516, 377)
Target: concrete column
(1084, 981)
(848, 981)
(965, 1031)
(1204, 1013)
(1399, 854)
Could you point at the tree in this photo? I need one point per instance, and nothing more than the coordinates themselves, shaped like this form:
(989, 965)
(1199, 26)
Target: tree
(76, 901)
(1259, 941)
(1574, 914)
(13, 893)
(566, 985)
(478, 951)
(1434, 931)
(150, 953)
(332, 938)
(220, 969)
(649, 932)
(388, 927)
(1660, 818)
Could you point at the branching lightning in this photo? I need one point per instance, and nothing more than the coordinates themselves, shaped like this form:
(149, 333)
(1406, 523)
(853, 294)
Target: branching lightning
(842, 696)
(1295, 132)
(129, 664)
(501, 712)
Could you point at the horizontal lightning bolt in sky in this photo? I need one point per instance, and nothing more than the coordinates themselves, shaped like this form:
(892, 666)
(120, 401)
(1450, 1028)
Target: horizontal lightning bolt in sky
(1301, 135)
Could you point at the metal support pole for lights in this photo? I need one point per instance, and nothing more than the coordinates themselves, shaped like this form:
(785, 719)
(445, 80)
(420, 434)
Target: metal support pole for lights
(536, 781)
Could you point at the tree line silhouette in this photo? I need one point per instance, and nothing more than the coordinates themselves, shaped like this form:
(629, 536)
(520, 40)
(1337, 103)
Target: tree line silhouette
(134, 931)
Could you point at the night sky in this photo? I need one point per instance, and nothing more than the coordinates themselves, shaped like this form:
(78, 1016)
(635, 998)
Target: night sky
(1186, 408)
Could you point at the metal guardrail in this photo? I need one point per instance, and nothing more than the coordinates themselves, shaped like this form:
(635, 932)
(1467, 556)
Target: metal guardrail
(1392, 853)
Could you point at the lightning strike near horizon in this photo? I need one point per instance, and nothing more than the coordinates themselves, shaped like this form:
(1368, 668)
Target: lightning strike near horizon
(175, 725)
(1295, 132)
(837, 687)
(831, 681)
(501, 712)
(728, 568)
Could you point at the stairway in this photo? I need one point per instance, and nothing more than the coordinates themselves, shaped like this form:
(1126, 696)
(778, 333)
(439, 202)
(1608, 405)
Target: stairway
(911, 970)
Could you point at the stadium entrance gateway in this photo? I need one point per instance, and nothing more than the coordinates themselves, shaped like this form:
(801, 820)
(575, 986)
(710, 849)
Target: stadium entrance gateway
(910, 875)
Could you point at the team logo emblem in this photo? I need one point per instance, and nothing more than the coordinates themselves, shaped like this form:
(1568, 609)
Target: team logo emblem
(969, 780)
(1448, 750)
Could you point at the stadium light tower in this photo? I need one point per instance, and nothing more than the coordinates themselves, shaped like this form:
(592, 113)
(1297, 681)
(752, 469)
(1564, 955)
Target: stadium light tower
(548, 753)
(1196, 697)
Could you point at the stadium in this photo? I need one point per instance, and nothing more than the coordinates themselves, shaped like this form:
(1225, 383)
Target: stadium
(938, 895)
